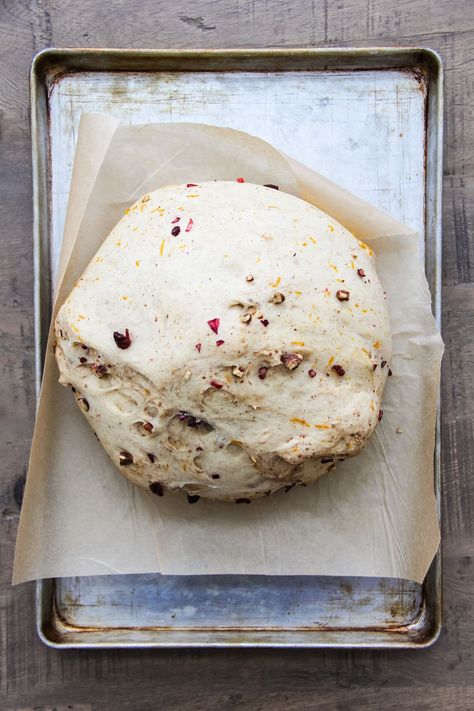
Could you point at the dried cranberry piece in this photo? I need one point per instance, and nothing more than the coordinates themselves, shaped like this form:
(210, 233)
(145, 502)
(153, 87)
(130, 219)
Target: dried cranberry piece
(338, 369)
(151, 457)
(240, 180)
(198, 347)
(262, 372)
(220, 343)
(122, 340)
(380, 415)
(215, 476)
(192, 498)
(264, 322)
(213, 324)
(191, 185)
(82, 360)
(361, 273)
(242, 501)
(176, 230)
(215, 384)
(271, 185)
(157, 488)
(190, 224)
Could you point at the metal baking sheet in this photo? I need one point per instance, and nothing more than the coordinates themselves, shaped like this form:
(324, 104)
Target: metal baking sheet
(370, 119)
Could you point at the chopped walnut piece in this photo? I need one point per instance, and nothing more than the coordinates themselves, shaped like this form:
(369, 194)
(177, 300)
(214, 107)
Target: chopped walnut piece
(83, 404)
(237, 371)
(125, 458)
(291, 360)
(277, 298)
(99, 369)
(246, 318)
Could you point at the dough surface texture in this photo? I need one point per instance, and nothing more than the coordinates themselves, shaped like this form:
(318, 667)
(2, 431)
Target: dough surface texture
(227, 340)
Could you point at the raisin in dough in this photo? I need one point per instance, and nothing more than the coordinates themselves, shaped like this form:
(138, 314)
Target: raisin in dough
(227, 340)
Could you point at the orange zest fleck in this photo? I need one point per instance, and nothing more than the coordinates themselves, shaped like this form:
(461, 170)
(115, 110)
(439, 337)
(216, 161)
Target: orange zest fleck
(162, 246)
(323, 427)
(366, 247)
(276, 283)
(297, 343)
(376, 344)
(331, 360)
(331, 228)
(299, 421)
(313, 240)
(137, 262)
(192, 195)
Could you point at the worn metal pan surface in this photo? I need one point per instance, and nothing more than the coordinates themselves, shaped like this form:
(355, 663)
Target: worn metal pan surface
(371, 119)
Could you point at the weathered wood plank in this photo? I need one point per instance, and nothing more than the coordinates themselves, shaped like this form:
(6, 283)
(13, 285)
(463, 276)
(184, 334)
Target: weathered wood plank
(32, 675)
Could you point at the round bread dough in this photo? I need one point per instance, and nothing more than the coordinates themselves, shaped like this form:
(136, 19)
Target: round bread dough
(227, 340)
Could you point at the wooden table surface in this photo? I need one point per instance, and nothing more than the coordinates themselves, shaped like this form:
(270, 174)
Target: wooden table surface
(33, 676)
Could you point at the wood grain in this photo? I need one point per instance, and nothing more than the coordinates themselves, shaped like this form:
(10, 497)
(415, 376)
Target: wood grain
(32, 676)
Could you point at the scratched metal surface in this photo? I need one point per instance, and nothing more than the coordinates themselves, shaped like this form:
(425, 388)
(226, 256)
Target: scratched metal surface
(365, 128)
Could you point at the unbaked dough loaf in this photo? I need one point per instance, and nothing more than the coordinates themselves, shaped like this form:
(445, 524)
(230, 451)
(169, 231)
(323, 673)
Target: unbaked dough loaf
(227, 340)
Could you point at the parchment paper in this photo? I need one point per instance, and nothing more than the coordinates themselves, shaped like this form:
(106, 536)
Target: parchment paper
(374, 516)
